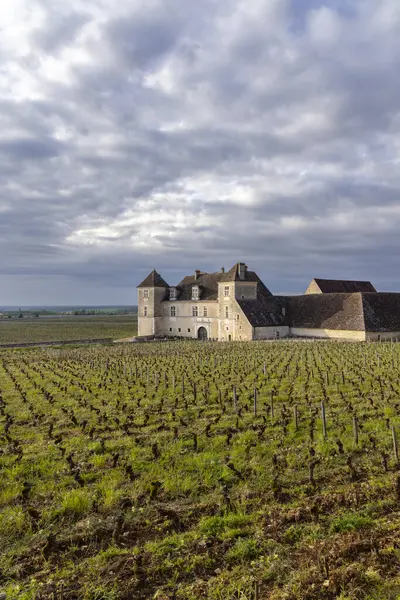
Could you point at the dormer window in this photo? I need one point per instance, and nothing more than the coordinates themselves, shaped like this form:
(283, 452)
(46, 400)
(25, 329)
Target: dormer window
(173, 293)
(195, 292)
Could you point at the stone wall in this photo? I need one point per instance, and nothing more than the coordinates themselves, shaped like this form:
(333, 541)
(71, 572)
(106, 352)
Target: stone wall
(227, 325)
(341, 334)
(184, 324)
(152, 323)
(313, 288)
(381, 336)
(267, 333)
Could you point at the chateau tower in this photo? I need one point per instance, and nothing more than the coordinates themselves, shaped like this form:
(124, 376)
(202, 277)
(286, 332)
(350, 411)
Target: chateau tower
(151, 292)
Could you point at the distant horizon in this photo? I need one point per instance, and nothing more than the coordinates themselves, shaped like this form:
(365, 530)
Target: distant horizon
(48, 307)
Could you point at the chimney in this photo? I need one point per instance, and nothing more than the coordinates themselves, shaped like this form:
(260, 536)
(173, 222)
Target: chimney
(242, 271)
(197, 274)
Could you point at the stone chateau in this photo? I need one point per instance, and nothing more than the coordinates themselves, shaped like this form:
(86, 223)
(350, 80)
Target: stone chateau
(236, 305)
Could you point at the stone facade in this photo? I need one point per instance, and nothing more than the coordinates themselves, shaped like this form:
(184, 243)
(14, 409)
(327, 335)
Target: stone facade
(216, 314)
(338, 334)
(236, 306)
(376, 336)
(178, 319)
(151, 311)
(313, 288)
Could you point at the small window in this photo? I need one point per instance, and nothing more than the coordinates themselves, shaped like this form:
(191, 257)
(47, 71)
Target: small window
(242, 297)
(227, 328)
(188, 330)
(179, 328)
(145, 293)
(145, 311)
(226, 290)
(226, 312)
(283, 311)
(237, 316)
(195, 311)
(170, 328)
(173, 311)
(205, 311)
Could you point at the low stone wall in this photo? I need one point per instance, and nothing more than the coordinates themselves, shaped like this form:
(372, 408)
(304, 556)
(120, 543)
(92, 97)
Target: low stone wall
(381, 336)
(338, 334)
(269, 333)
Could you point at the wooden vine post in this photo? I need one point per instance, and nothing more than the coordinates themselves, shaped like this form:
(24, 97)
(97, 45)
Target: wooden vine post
(355, 430)
(323, 416)
(255, 401)
(235, 406)
(395, 445)
(296, 418)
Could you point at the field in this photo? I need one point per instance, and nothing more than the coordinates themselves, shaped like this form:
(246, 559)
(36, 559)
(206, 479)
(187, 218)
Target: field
(188, 470)
(58, 329)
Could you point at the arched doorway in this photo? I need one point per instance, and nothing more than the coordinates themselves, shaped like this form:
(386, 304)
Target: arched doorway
(202, 333)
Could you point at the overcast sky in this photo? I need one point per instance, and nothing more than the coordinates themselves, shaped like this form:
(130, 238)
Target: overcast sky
(176, 135)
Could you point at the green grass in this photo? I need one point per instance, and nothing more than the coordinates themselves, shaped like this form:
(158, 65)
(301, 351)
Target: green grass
(59, 329)
(115, 484)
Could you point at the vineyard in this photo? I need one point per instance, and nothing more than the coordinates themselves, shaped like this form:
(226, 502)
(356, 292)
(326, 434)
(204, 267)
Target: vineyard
(62, 329)
(188, 471)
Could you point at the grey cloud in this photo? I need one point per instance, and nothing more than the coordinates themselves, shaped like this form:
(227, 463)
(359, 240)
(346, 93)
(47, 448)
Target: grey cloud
(178, 107)
(138, 42)
(26, 148)
(60, 30)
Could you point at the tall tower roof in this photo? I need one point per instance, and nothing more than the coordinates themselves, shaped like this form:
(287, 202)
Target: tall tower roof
(154, 279)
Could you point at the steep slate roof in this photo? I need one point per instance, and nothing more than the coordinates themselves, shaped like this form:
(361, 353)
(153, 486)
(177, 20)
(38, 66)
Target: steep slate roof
(233, 275)
(154, 279)
(381, 311)
(207, 282)
(341, 286)
(327, 311)
(266, 311)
